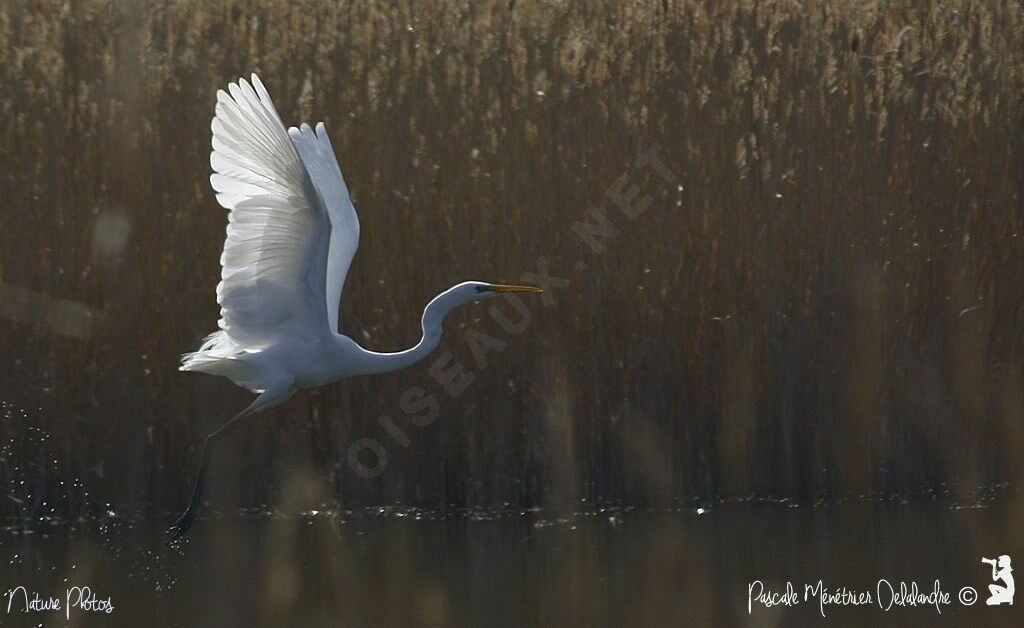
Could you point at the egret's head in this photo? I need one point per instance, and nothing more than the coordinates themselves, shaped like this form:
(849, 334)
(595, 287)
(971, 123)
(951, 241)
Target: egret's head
(477, 290)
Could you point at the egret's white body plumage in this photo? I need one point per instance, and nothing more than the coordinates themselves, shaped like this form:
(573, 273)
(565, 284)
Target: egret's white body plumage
(292, 233)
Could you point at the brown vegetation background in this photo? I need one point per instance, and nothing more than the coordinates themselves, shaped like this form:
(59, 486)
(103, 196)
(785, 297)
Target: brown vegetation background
(828, 301)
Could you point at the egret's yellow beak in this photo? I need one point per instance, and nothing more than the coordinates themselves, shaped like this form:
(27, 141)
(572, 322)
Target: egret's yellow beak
(504, 288)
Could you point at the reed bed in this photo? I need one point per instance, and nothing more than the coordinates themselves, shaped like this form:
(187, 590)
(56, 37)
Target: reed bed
(822, 298)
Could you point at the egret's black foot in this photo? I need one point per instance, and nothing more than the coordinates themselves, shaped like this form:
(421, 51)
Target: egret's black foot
(181, 526)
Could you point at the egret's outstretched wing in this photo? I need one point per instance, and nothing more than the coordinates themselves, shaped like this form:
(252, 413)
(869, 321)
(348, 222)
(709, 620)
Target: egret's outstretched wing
(318, 156)
(273, 281)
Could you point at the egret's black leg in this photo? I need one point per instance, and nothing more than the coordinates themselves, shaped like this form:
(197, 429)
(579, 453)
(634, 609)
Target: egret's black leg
(274, 394)
(185, 520)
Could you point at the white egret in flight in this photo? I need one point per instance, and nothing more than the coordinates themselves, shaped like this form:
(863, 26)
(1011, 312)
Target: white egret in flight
(292, 233)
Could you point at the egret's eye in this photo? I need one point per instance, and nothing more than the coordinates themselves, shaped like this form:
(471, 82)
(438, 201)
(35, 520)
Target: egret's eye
(480, 289)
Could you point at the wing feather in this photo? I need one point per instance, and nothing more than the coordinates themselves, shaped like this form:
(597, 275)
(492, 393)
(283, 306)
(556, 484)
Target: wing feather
(273, 276)
(318, 156)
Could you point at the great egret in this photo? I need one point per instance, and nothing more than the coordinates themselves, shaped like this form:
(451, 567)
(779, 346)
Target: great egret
(292, 233)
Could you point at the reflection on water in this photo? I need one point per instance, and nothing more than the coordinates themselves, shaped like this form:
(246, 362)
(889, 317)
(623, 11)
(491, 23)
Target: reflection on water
(508, 567)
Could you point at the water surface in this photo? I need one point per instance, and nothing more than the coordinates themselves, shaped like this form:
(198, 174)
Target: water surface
(502, 567)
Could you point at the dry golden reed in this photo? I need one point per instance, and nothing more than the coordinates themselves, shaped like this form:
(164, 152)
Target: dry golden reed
(827, 301)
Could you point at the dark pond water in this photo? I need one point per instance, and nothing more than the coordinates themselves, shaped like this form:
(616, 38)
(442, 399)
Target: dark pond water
(508, 567)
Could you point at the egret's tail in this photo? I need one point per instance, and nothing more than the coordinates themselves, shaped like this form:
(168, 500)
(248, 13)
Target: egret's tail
(219, 355)
(215, 356)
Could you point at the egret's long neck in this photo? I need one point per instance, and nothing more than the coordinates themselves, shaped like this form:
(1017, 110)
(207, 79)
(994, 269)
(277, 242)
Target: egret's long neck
(433, 316)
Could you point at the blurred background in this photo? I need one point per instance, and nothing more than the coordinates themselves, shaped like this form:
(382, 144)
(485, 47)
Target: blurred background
(821, 302)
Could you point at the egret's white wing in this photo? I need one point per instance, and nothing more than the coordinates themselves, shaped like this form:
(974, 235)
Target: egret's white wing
(318, 157)
(275, 255)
